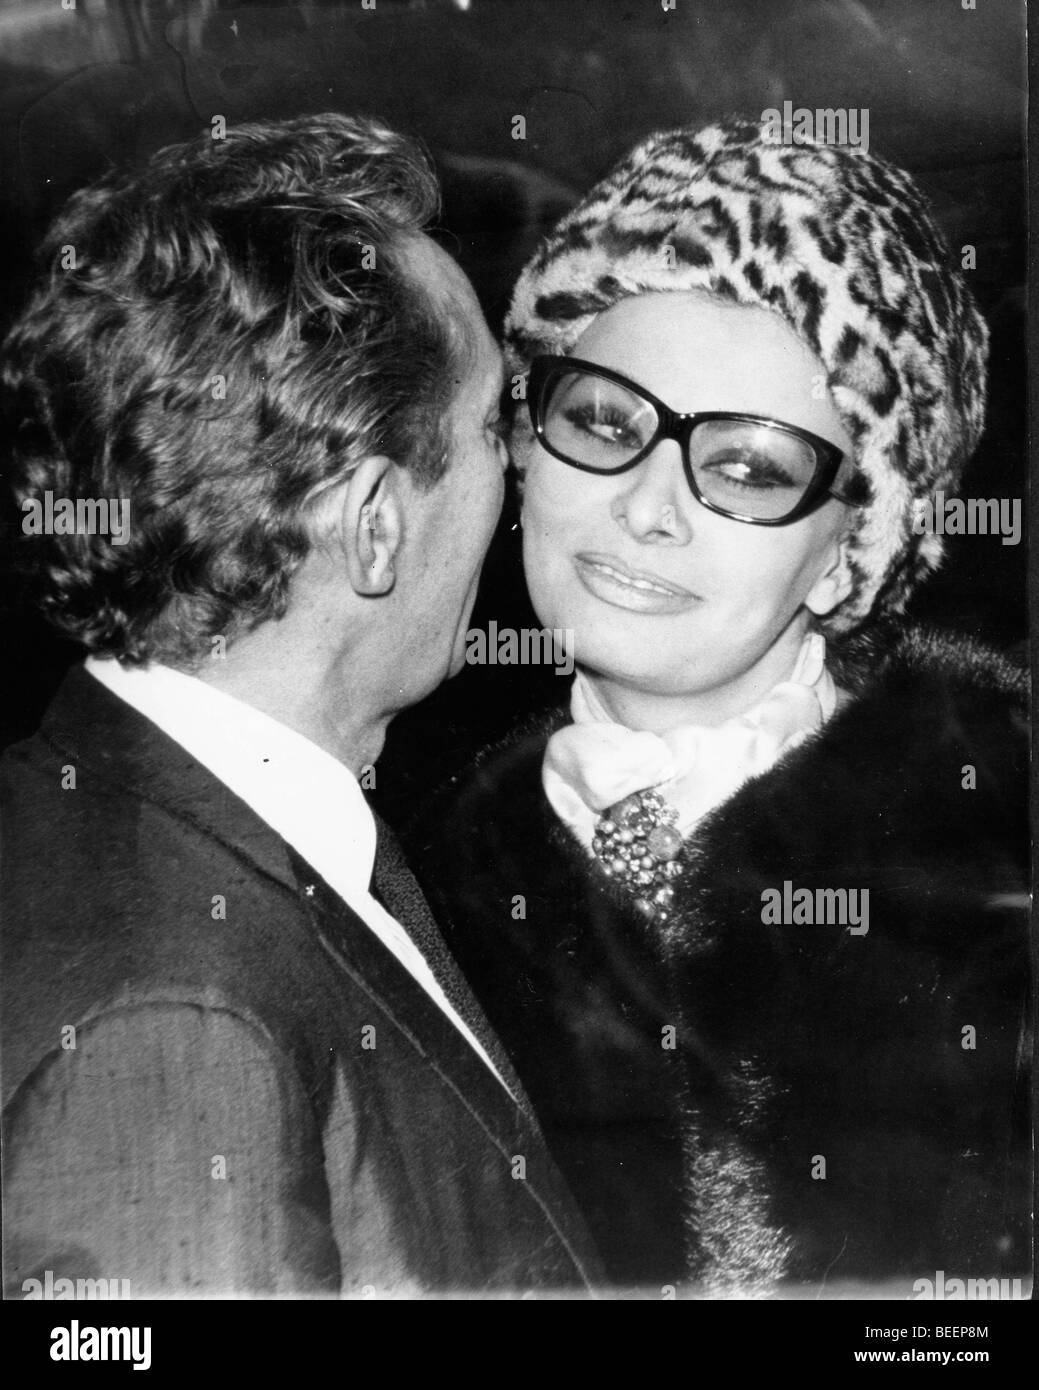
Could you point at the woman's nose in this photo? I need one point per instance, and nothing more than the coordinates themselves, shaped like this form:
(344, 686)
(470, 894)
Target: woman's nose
(653, 501)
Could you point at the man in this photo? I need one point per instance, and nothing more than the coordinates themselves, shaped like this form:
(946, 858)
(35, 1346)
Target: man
(236, 1059)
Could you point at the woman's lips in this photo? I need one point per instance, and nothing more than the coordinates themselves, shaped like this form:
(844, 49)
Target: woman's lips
(610, 579)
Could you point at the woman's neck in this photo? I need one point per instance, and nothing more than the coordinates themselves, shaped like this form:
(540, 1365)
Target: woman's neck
(657, 713)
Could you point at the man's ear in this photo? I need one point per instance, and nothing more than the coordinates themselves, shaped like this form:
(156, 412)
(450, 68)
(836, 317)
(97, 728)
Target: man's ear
(835, 583)
(372, 525)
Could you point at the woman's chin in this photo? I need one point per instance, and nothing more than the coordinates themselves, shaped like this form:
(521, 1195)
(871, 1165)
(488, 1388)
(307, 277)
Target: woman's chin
(641, 677)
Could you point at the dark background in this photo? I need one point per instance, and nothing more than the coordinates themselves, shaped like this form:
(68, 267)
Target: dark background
(107, 83)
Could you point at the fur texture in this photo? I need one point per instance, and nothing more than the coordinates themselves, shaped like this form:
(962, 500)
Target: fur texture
(794, 1042)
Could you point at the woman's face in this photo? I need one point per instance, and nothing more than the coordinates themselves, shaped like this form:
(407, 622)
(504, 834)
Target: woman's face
(663, 595)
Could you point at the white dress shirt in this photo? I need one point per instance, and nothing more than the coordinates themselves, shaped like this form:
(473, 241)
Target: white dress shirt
(304, 794)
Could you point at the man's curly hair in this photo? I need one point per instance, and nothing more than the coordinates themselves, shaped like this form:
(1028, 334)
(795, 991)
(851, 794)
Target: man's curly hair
(238, 330)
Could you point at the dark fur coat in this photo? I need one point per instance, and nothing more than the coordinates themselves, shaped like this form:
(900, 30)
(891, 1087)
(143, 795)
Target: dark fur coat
(742, 1106)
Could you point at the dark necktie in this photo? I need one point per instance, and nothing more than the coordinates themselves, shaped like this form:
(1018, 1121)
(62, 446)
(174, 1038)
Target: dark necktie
(396, 888)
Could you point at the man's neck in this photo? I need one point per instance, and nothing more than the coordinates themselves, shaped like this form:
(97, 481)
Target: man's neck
(307, 692)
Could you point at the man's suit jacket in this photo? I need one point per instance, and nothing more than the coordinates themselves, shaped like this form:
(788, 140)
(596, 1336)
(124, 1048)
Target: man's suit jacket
(216, 1078)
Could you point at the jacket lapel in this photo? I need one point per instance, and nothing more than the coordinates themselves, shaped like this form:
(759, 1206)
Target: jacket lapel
(509, 1126)
(395, 993)
(105, 738)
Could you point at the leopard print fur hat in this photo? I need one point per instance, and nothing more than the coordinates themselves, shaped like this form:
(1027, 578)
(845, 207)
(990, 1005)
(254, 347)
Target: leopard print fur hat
(843, 247)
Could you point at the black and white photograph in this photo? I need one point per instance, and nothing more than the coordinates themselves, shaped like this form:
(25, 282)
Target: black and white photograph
(515, 778)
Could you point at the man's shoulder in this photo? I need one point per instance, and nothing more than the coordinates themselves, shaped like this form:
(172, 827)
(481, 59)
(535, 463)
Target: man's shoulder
(113, 892)
(88, 834)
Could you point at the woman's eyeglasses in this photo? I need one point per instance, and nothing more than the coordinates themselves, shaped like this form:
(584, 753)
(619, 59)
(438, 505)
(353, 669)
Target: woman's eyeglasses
(745, 467)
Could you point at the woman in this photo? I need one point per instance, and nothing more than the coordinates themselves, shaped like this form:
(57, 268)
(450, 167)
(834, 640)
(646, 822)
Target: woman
(749, 911)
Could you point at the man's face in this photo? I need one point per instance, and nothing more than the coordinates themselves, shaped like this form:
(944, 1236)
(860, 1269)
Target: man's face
(451, 524)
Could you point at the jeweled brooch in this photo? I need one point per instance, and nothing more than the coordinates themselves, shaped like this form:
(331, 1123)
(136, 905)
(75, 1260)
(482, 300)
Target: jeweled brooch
(637, 844)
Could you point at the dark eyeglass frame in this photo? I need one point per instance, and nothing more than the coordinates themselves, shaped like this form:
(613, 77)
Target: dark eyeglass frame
(546, 368)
